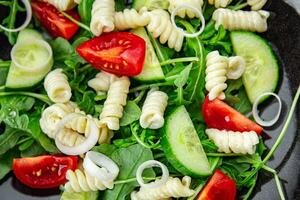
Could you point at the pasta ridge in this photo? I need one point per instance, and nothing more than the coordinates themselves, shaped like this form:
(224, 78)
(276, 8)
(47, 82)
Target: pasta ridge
(220, 3)
(161, 27)
(236, 142)
(103, 13)
(256, 4)
(101, 82)
(255, 21)
(130, 19)
(81, 181)
(174, 187)
(153, 110)
(57, 86)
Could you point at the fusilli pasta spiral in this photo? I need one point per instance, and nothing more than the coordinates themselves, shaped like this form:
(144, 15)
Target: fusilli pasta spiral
(153, 110)
(236, 67)
(62, 5)
(101, 82)
(57, 86)
(80, 181)
(130, 19)
(113, 105)
(74, 131)
(53, 114)
(256, 4)
(216, 69)
(255, 21)
(237, 142)
(219, 3)
(103, 13)
(160, 26)
(183, 12)
(173, 188)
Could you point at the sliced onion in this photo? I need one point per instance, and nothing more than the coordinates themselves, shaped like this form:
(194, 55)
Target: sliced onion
(255, 110)
(27, 20)
(86, 145)
(149, 164)
(198, 14)
(46, 63)
(108, 171)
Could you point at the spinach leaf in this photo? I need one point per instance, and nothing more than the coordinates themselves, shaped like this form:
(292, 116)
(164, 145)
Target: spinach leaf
(6, 162)
(35, 150)
(128, 159)
(47, 144)
(131, 113)
(107, 149)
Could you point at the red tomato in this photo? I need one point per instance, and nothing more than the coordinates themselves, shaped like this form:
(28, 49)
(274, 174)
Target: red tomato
(119, 53)
(54, 21)
(217, 114)
(219, 187)
(44, 171)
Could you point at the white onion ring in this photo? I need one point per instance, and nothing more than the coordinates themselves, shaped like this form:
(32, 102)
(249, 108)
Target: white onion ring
(149, 164)
(108, 171)
(42, 43)
(255, 110)
(27, 20)
(83, 147)
(198, 14)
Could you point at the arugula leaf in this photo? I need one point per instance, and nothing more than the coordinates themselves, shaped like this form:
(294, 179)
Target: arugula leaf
(128, 159)
(47, 144)
(84, 10)
(182, 79)
(107, 149)
(9, 139)
(131, 113)
(6, 162)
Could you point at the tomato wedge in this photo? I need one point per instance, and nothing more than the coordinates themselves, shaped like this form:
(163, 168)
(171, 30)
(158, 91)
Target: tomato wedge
(217, 114)
(54, 21)
(44, 171)
(219, 187)
(119, 53)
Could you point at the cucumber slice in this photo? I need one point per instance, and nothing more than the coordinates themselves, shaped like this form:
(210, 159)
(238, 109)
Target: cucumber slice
(262, 70)
(31, 61)
(28, 35)
(182, 145)
(150, 4)
(79, 196)
(152, 70)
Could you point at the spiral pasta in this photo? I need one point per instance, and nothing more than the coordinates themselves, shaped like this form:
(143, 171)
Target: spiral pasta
(62, 5)
(255, 21)
(256, 4)
(53, 114)
(57, 86)
(219, 3)
(81, 181)
(174, 187)
(113, 105)
(236, 142)
(74, 131)
(101, 82)
(236, 67)
(103, 13)
(130, 19)
(216, 69)
(160, 26)
(185, 12)
(153, 110)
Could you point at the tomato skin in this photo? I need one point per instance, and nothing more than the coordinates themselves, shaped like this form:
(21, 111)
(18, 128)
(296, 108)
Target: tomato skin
(119, 53)
(44, 171)
(219, 187)
(217, 114)
(54, 21)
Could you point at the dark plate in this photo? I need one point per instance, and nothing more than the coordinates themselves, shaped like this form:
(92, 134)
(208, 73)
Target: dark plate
(284, 34)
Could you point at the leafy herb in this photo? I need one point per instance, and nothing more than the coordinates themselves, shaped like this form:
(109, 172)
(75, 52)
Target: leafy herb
(131, 113)
(128, 159)
(6, 162)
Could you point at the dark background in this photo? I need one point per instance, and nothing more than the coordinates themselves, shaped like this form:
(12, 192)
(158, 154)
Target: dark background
(284, 35)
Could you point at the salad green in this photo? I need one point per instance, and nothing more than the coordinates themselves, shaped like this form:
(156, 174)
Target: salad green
(182, 144)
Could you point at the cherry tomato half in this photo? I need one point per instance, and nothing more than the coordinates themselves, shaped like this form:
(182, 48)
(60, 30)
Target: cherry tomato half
(44, 171)
(54, 21)
(217, 114)
(119, 53)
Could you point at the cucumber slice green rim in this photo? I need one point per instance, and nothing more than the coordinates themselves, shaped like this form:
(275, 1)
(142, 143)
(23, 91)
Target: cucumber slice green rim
(23, 45)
